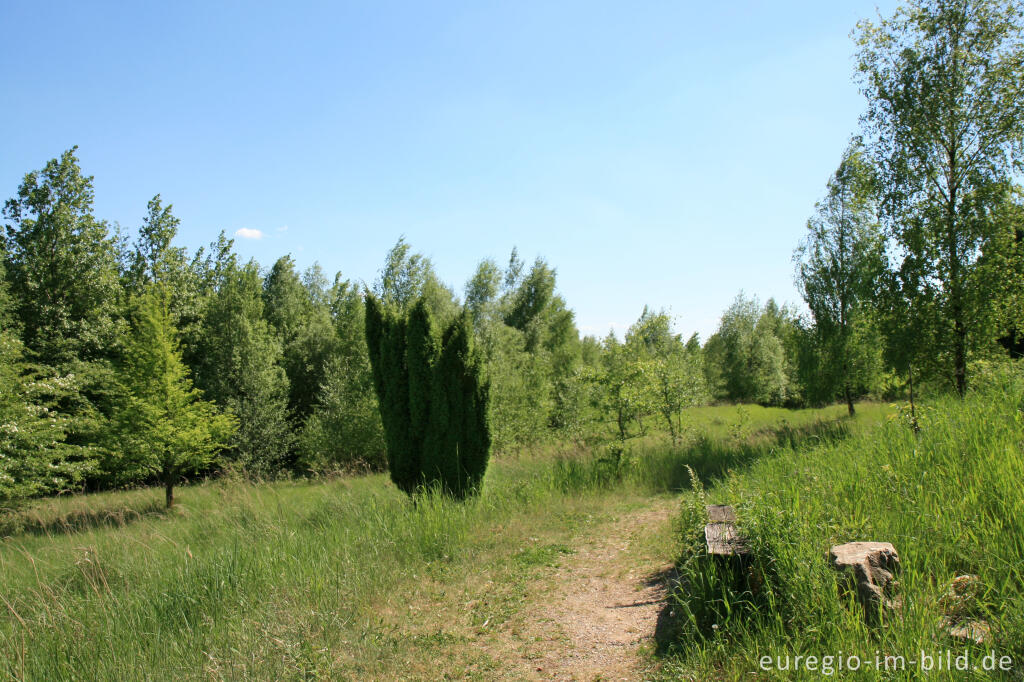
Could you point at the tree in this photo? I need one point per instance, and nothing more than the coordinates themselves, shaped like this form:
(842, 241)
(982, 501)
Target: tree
(164, 428)
(34, 457)
(673, 370)
(238, 366)
(407, 277)
(344, 428)
(751, 357)
(946, 121)
(839, 264)
(305, 331)
(482, 288)
(433, 398)
(153, 258)
(62, 266)
(625, 386)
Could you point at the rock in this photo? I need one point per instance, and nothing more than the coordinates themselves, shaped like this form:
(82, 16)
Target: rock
(868, 569)
(720, 535)
(977, 631)
(963, 599)
(962, 605)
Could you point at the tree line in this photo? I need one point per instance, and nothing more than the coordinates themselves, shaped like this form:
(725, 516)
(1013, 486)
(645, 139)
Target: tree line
(130, 360)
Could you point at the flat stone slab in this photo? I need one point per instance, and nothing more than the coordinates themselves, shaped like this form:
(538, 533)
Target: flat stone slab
(977, 631)
(720, 535)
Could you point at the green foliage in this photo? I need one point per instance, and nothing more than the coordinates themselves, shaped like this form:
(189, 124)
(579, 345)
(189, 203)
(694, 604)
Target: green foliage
(527, 338)
(625, 386)
(839, 270)
(751, 358)
(164, 428)
(408, 277)
(301, 317)
(62, 266)
(344, 429)
(239, 368)
(34, 457)
(946, 120)
(674, 370)
(433, 399)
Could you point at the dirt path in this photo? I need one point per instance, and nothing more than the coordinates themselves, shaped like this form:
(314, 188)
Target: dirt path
(603, 604)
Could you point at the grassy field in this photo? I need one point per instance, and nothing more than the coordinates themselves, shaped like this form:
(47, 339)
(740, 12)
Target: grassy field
(949, 498)
(349, 579)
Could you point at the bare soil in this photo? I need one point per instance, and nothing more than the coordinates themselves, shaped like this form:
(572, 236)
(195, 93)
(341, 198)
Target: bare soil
(602, 605)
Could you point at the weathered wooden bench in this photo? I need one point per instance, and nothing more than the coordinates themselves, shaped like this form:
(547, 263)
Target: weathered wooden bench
(720, 535)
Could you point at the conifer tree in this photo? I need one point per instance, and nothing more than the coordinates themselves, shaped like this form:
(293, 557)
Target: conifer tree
(238, 367)
(164, 428)
(433, 399)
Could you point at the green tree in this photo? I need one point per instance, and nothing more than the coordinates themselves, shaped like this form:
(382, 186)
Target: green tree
(434, 400)
(751, 358)
(34, 457)
(305, 330)
(154, 258)
(839, 265)
(674, 369)
(625, 384)
(344, 429)
(62, 266)
(164, 428)
(943, 80)
(407, 277)
(483, 288)
(238, 366)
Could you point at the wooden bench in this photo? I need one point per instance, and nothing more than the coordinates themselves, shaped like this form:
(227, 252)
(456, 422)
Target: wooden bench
(720, 533)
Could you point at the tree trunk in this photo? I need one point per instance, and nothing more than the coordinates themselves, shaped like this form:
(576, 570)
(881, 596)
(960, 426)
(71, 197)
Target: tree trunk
(169, 491)
(671, 426)
(960, 357)
(849, 398)
(913, 412)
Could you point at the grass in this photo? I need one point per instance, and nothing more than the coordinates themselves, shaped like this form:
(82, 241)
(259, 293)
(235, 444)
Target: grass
(949, 498)
(343, 578)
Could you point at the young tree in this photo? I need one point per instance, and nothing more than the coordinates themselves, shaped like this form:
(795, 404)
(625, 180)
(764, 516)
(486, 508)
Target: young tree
(153, 258)
(407, 277)
(839, 264)
(164, 428)
(946, 119)
(674, 371)
(751, 356)
(433, 398)
(625, 384)
(344, 428)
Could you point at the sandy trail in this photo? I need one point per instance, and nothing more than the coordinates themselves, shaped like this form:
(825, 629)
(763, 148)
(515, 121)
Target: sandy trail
(603, 605)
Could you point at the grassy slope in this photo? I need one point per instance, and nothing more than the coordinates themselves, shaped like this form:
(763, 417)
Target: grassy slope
(335, 579)
(951, 500)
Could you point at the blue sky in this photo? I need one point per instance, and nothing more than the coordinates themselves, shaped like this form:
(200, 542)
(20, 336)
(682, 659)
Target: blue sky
(666, 154)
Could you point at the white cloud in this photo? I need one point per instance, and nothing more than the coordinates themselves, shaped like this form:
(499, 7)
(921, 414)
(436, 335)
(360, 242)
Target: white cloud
(247, 233)
(283, 228)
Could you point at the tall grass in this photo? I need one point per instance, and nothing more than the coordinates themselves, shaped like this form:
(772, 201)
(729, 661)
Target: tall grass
(345, 578)
(951, 500)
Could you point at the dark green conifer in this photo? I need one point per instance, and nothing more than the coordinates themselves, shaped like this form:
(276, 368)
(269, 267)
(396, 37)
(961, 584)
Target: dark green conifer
(433, 399)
